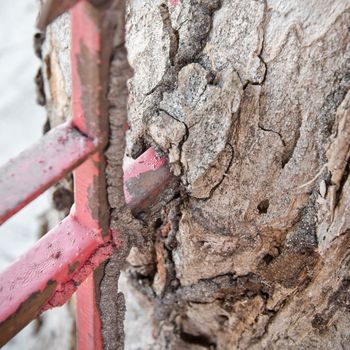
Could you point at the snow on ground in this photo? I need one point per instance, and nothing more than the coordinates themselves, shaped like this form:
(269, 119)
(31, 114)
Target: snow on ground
(21, 123)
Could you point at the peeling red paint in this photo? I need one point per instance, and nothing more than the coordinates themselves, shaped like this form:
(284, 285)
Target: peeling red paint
(144, 189)
(69, 244)
(88, 321)
(66, 290)
(85, 36)
(89, 106)
(40, 166)
(24, 314)
(148, 161)
(31, 273)
(49, 273)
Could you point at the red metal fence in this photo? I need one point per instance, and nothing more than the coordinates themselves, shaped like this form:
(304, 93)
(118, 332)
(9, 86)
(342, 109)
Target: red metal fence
(65, 258)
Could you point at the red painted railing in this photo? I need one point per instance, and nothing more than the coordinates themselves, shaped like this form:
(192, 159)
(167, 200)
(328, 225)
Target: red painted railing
(65, 258)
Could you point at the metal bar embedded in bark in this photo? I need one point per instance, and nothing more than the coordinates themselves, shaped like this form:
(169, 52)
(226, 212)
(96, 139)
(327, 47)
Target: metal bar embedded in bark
(37, 168)
(90, 113)
(50, 272)
(145, 179)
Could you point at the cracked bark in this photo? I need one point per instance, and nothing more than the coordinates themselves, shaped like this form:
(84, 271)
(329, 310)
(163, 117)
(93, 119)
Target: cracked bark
(250, 102)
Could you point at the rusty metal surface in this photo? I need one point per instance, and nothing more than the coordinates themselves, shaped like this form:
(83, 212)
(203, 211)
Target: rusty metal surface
(91, 46)
(33, 171)
(48, 274)
(51, 271)
(145, 179)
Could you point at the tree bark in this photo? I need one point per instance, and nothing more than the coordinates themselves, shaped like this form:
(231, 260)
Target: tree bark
(250, 102)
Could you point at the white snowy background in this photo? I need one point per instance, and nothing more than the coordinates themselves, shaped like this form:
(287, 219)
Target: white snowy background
(21, 121)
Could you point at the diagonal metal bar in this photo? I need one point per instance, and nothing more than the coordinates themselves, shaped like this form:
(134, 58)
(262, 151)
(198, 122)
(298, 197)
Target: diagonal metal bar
(37, 168)
(50, 272)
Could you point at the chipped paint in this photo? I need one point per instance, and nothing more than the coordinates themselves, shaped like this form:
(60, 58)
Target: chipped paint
(27, 310)
(49, 273)
(33, 171)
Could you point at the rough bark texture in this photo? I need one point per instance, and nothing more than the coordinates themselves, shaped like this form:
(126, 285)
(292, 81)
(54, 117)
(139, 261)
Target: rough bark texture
(112, 302)
(250, 101)
(57, 77)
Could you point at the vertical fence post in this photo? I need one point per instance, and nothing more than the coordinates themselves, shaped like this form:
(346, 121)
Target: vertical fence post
(91, 47)
(50, 272)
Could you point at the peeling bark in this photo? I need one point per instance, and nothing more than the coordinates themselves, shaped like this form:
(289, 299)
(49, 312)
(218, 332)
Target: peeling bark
(250, 102)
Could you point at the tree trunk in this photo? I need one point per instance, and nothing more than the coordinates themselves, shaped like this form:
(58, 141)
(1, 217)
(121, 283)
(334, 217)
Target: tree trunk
(249, 99)
(250, 102)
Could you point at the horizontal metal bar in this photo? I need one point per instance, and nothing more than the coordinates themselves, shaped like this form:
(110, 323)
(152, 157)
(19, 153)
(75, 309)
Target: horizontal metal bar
(48, 274)
(37, 168)
(145, 179)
